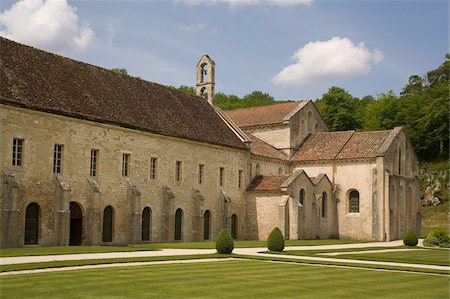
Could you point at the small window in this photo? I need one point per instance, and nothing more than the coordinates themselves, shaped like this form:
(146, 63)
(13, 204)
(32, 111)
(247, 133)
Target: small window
(280, 171)
(240, 179)
(57, 158)
(221, 176)
(153, 167)
(125, 164)
(353, 202)
(258, 169)
(201, 169)
(301, 197)
(17, 152)
(324, 204)
(94, 163)
(178, 171)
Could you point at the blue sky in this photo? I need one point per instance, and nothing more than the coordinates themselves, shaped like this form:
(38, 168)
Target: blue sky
(292, 49)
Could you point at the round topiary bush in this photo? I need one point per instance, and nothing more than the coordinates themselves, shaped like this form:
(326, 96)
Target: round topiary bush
(224, 243)
(275, 241)
(410, 239)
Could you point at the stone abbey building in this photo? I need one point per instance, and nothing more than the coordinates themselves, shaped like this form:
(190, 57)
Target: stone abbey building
(92, 157)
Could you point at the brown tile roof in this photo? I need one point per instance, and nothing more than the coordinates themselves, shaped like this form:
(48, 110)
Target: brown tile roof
(268, 182)
(263, 149)
(363, 145)
(39, 80)
(341, 145)
(262, 115)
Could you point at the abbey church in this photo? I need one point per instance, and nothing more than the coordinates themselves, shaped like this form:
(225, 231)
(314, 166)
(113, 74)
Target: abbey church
(92, 157)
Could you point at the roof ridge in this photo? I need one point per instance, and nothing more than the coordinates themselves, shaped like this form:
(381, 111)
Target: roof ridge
(273, 104)
(281, 152)
(343, 146)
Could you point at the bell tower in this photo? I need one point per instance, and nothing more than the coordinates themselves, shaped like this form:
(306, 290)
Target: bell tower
(205, 78)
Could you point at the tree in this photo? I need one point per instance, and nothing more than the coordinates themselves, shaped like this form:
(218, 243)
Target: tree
(415, 85)
(340, 110)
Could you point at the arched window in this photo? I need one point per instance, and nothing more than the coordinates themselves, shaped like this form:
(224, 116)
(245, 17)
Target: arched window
(280, 170)
(234, 226)
(316, 127)
(399, 161)
(353, 202)
(258, 169)
(32, 224)
(108, 224)
(310, 120)
(301, 197)
(178, 225)
(303, 128)
(324, 204)
(146, 224)
(206, 225)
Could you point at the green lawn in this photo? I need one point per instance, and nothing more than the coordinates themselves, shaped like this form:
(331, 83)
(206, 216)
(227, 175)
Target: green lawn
(226, 279)
(425, 256)
(4, 252)
(416, 256)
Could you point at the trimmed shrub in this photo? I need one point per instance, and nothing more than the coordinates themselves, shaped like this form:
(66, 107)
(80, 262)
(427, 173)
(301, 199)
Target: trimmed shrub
(275, 241)
(431, 240)
(410, 239)
(441, 234)
(437, 237)
(224, 243)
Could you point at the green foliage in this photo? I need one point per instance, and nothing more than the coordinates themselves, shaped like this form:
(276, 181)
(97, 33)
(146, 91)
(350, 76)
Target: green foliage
(437, 237)
(275, 241)
(340, 110)
(121, 71)
(187, 89)
(224, 243)
(410, 239)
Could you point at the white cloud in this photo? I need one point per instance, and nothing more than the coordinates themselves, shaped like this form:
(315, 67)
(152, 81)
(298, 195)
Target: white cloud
(48, 24)
(321, 60)
(236, 3)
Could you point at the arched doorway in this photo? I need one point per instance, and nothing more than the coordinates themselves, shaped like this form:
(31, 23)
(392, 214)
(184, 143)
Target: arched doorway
(178, 225)
(234, 226)
(32, 224)
(76, 224)
(146, 224)
(206, 225)
(108, 223)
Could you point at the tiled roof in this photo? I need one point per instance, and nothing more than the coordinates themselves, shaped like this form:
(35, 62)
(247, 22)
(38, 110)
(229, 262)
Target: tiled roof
(363, 145)
(341, 145)
(43, 81)
(262, 115)
(263, 149)
(267, 182)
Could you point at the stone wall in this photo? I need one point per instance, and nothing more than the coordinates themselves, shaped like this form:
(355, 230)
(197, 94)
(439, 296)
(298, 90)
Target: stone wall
(129, 195)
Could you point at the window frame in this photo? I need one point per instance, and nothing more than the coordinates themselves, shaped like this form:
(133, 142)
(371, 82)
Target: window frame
(153, 168)
(178, 171)
(351, 204)
(93, 169)
(221, 176)
(126, 158)
(58, 155)
(17, 151)
(200, 173)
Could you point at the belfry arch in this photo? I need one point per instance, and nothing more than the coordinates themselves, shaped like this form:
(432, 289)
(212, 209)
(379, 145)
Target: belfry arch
(205, 78)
